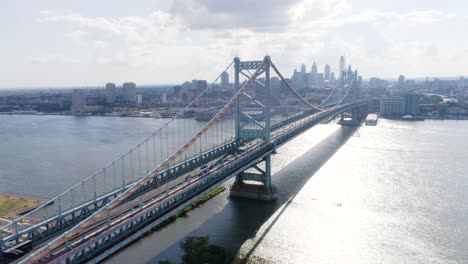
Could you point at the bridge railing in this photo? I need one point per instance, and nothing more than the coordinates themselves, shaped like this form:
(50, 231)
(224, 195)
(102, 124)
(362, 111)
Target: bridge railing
(174, 142)
(122, 173)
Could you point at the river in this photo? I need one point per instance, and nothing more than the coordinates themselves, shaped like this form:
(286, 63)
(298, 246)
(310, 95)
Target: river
(391, 193)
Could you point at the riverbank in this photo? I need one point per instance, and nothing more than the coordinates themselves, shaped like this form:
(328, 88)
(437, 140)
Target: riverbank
(182, 213)
(14, 205)
(62, 114)
(192, 206)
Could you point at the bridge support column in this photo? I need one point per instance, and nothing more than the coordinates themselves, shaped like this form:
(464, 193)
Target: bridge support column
(358, 115)
(256, 185)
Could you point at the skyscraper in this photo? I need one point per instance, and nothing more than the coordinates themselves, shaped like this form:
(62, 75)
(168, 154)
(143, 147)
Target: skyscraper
(350, 73)
(78, 101)
(129, 92)
(461, 85)
(327, 72)
(224, 80)
(314, 68)
(303, 69)
(401, 82)
(110, 93)
(342, 65)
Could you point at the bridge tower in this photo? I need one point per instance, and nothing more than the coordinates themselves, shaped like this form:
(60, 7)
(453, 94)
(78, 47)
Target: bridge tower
(254, 124)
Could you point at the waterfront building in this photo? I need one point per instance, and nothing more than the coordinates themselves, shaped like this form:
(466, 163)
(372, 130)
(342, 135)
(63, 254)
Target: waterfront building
(374, 105)
(412, 104)
(110, 93)
(392, 105)
(78, 101)
(129, 92)
(404, 104)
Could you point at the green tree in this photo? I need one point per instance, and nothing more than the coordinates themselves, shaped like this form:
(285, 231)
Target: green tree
(197, 251)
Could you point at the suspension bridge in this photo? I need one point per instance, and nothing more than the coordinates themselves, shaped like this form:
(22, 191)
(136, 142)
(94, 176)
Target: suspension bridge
(176, 165)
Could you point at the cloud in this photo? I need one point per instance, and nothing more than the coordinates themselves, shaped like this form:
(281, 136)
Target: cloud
(257, 16)
(53, 58)
(195, 38)
(99, 23)
(250, 14)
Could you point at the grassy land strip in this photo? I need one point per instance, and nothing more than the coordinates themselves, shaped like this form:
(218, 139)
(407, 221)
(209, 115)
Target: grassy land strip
(9, 205)
(192, 206)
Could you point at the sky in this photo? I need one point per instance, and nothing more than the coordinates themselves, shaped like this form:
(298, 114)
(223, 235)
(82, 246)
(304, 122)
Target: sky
(56, 43)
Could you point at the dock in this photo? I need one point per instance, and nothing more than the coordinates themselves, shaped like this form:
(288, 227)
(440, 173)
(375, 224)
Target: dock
(372, 119)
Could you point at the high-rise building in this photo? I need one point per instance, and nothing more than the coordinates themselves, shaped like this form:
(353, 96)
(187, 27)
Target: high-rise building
(199, 85)
(224, 80)
(342, 65)
(299, 78)
(177, 91)
(412, 104)
(110, 93)
(349, 75)
(129, 92)
(332, 76)
(314, 68)
(461, 85)
(139, 99)
(303, 69)
(327, 72)
(78, 101)
(401, 82)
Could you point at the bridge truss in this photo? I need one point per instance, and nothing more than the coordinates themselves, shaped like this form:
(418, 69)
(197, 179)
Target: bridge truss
(173, 167)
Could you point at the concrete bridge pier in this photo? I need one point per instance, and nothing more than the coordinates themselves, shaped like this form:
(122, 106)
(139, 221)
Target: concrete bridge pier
(255, 185)
(358, 115)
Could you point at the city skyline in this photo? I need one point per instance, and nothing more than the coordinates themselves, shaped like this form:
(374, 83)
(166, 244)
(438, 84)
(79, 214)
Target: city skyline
(53, 44)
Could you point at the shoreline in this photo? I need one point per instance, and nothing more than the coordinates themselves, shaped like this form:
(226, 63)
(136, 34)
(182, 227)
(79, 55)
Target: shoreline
(192, 206)
(136, 116)
(13, 206)
(182, 213)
